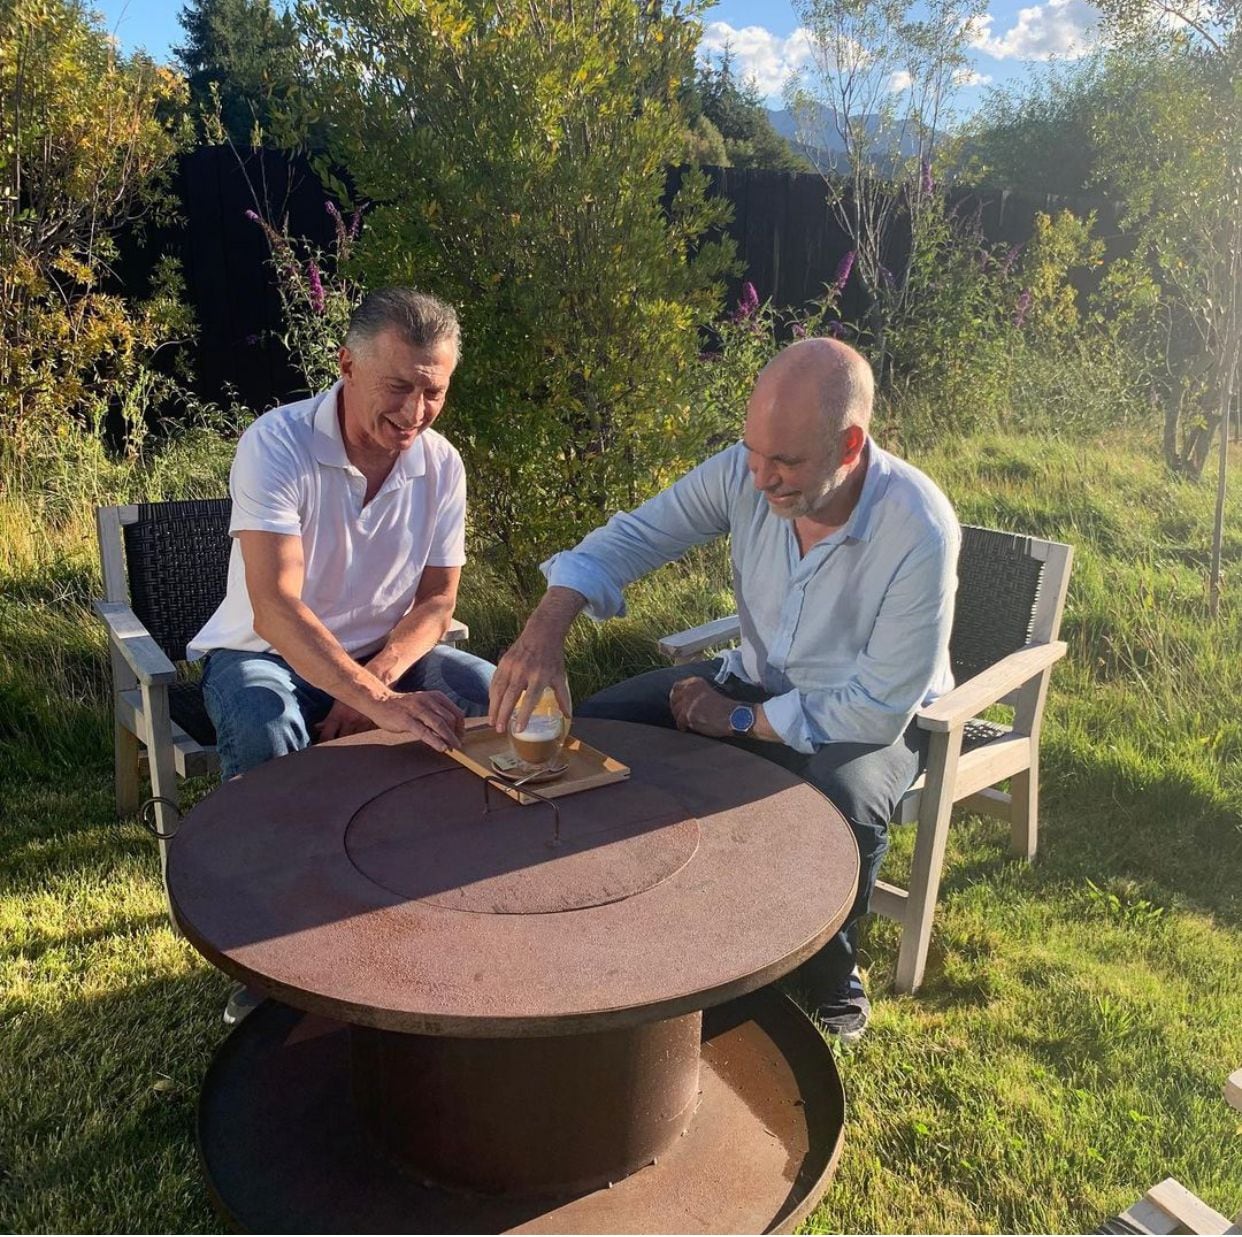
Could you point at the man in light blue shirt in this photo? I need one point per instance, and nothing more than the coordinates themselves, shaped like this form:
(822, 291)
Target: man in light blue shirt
(844, 569)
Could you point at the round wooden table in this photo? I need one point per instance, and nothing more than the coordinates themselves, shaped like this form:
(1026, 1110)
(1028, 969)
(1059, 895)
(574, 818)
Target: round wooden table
(478, 1030)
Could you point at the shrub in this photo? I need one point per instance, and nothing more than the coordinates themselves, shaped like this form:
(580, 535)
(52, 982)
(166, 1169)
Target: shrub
(520, 153)
(89, 136)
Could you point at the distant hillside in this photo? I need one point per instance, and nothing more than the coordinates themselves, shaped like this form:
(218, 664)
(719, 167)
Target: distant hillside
(827, 150)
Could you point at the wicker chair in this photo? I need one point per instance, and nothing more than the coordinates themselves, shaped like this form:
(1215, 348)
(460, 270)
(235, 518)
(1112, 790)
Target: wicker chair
(1010, 597)
(165, 570)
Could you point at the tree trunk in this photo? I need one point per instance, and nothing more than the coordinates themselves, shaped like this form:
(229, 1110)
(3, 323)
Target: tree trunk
(1172, 458)
(1222, 476)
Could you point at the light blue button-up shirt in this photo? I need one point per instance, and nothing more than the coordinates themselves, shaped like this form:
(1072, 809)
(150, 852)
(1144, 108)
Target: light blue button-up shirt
(850, 639)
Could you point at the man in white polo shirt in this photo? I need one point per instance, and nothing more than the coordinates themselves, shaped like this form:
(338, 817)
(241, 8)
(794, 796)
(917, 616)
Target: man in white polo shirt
(349, 537)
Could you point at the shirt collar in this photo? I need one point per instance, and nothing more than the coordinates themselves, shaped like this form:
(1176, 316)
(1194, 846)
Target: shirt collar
(329, 446)
(859, 525)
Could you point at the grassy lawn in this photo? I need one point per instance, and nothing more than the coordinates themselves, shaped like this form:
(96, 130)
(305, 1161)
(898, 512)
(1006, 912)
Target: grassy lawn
(1079, 1015)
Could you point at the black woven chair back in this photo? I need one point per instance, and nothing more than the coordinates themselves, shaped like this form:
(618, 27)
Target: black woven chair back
(998, 584)
(178, 559)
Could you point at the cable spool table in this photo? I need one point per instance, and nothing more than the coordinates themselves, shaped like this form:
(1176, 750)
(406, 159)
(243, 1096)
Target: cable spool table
(477, 1029)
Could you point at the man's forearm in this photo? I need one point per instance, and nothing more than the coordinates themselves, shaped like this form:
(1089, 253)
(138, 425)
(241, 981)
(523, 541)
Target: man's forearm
(298, 635)
(413, 637)
(554, 615)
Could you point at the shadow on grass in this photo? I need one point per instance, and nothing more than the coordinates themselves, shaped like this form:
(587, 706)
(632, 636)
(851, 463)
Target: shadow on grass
(97, 1111)
(126, 925)
(1180, 843)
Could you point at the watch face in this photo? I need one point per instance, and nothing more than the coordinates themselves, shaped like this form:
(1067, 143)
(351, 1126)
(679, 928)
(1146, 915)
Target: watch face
(742, 719)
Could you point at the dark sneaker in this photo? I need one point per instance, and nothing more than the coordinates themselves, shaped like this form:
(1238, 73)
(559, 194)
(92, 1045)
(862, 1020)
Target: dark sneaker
(845, 1013)
(242, 1001)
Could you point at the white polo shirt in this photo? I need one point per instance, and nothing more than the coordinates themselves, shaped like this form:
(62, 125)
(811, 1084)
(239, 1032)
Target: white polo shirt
(363, 563)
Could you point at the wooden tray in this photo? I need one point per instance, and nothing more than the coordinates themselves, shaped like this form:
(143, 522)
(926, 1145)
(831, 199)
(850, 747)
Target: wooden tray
(588, 767)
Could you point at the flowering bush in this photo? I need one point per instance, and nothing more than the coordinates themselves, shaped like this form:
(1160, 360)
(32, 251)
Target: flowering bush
(316, 296)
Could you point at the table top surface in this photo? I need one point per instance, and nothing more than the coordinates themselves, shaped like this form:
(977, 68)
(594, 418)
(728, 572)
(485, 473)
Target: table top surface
(363, 879)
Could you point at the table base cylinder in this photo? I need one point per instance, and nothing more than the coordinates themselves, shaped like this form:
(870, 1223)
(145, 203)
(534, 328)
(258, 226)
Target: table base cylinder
(545, 1117)
(284, 1149)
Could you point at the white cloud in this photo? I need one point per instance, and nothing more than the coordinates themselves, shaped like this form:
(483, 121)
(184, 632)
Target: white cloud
(899, 81)
(970, 77)
(758, 54)
(1064, 28)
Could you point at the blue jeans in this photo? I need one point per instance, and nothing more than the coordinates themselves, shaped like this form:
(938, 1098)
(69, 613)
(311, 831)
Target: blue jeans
(865, 781)
(261, 708)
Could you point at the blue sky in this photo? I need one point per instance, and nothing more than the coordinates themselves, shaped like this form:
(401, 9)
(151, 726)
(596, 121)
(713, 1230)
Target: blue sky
(1011, 40)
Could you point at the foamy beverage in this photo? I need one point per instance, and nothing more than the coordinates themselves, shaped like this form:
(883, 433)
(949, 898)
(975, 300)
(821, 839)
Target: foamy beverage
(539, 741)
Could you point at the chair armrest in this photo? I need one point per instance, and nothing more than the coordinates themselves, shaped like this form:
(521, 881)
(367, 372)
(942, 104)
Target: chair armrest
(685, 644)
(957, 707)
(457, 632)
(132, 640)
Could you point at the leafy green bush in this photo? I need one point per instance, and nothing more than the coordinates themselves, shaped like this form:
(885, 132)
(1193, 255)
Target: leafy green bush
(88, 137)
(519, 153)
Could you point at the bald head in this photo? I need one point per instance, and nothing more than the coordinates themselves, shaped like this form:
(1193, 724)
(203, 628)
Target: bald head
(806, 424)
(825, 375)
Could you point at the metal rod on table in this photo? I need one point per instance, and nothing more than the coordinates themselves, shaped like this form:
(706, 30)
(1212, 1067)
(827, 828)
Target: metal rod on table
(490, 779)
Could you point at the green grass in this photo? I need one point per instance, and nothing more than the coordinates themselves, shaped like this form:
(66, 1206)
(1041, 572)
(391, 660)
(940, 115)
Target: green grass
(1079, 1015)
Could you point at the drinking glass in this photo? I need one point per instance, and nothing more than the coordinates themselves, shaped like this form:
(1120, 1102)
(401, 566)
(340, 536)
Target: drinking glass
(537, 746)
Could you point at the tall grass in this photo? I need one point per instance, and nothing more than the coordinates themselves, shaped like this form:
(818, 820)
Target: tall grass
(1079, 1015)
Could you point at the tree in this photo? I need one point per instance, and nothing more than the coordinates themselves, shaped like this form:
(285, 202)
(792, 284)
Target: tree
(735, 110)
(1175, 152)
(878, 89)
(87, 137)
(240, 58)
(1039, 136)
(519, 156)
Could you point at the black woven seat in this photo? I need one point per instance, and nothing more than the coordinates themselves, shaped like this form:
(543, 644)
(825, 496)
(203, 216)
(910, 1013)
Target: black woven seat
(976, 733)
(186, 708)
(178, 560)
(998, 585)
(177, 555)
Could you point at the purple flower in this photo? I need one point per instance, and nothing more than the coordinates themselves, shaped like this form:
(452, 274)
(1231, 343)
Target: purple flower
(799, 331)
(842, 277)
(253, 216)
(925, 181)
(747, 303)
(314, 286)
(338, 223)
(1020, 310)
(252, 340)
(1010, 258)
(836, 330)
(355, 225)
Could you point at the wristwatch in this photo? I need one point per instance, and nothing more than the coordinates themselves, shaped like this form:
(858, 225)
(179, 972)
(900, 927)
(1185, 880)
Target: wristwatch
(742, 719)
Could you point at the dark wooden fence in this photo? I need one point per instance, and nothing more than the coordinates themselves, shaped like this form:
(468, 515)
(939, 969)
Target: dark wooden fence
(787, 236)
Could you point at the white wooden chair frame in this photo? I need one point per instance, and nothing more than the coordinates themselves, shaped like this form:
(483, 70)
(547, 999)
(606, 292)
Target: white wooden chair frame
(141, 676)
(955, 777)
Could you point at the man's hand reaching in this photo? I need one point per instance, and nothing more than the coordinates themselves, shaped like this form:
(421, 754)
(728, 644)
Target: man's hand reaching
(429, 716)
(536, 660)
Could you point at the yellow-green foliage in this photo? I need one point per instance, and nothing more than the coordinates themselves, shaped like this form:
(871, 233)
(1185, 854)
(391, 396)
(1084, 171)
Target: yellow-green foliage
(87, 135)
(1060, 243)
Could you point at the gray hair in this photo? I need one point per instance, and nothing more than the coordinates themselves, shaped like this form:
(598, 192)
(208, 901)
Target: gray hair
(420, 319)
(849, 397)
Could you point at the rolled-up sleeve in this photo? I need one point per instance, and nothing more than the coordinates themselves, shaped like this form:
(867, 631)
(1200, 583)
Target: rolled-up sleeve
(895, 670)
(693, 510)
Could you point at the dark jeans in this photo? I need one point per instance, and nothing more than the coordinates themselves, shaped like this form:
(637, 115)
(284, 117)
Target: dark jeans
(262, 709)
(864, 780)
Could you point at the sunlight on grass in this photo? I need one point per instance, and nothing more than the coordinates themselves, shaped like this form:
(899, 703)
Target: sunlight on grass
(1079, 1015)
